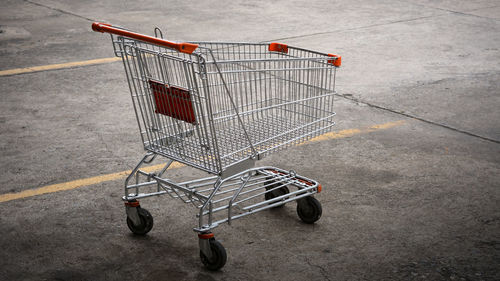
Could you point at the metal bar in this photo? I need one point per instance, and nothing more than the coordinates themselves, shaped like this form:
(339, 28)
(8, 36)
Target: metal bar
(182, 188)
(143, 195)
(275, 106)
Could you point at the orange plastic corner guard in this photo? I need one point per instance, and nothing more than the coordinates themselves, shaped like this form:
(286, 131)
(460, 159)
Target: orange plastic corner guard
(187, 48)
(337, 61)
(278, 47)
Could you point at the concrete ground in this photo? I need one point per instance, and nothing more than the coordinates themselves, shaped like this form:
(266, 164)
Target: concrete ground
(411, 182)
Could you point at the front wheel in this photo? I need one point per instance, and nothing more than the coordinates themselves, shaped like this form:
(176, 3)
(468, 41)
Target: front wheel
(146, 222)
(309, 209)
(219, 256)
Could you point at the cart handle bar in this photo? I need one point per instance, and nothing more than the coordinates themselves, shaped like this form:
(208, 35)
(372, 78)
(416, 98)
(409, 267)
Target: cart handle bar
(187, 48)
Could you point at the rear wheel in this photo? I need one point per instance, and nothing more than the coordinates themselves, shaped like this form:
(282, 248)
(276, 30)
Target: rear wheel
(270, 184)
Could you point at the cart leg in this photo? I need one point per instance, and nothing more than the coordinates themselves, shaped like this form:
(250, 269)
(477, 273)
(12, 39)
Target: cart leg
(139, 220)
(148, 158)
(212, 253)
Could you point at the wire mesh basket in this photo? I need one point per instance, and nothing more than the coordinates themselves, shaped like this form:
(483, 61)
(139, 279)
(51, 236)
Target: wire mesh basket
(226, 103)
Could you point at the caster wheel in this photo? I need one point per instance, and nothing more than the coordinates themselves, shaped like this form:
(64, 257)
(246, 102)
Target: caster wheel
(219, 256)
(275, 193)
(146, 222)
(309, 209)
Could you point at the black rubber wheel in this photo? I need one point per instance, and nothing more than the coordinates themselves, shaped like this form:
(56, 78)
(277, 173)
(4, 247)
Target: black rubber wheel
(275, 193)
(146, 222)
(309, 209)
(219, 256)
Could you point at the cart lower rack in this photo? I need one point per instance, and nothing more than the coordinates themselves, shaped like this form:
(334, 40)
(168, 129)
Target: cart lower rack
(220, 107)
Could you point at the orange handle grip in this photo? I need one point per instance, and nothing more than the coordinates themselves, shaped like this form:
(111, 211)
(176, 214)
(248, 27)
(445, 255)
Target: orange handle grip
(187, 48)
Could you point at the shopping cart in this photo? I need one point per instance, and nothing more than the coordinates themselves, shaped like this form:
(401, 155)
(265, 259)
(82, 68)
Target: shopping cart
(220, 107)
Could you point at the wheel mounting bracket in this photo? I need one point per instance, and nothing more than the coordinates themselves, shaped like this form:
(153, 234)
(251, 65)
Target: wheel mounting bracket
(204, 244)
(133, 214)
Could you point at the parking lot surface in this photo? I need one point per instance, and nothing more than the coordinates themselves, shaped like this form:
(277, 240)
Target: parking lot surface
(410, 173)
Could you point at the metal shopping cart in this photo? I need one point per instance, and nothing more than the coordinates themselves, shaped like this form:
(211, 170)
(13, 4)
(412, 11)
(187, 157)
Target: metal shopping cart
(220, 107)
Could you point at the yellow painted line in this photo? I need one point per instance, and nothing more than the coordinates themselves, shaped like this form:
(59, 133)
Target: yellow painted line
(352, 132)
(78, 183)
(57, 66)
(114, 176)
